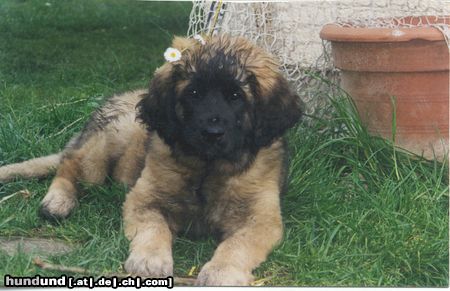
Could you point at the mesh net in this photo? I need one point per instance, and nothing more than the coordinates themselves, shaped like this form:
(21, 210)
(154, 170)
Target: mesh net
(290, 31)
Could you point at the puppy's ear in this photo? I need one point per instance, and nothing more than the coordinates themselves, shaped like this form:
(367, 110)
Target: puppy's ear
(276, 110)
(157, 108)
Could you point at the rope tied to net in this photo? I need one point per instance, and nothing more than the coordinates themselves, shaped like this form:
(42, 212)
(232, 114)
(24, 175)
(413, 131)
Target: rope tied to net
(218, 7)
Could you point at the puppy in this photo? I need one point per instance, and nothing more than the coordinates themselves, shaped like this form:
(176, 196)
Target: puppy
(202, 151)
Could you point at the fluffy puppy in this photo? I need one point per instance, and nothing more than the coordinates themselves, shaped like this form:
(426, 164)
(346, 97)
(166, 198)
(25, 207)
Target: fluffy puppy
(205, 156)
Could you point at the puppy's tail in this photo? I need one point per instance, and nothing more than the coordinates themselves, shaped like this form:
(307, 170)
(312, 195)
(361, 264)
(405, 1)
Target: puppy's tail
(34, 168)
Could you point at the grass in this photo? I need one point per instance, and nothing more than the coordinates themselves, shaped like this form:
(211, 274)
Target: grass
(356, 213)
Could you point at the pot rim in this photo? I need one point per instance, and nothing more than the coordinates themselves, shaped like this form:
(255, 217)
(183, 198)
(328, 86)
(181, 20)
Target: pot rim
(348, 33)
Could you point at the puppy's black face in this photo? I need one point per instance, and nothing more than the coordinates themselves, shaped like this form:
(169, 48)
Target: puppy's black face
(212, 113)
(223, 100)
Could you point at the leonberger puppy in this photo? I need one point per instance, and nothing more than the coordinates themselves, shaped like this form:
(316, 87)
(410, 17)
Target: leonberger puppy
(202, 151)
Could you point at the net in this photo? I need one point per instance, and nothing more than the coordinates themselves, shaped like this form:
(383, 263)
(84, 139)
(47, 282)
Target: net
(290, 31)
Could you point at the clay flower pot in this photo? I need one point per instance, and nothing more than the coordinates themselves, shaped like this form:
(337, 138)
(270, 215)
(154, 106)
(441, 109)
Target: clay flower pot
(408, 63)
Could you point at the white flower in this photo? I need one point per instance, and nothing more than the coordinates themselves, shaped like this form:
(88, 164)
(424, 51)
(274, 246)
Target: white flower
(172, 54)
(200, 39)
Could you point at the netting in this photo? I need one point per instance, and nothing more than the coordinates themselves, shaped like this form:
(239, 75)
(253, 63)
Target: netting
(290, 31)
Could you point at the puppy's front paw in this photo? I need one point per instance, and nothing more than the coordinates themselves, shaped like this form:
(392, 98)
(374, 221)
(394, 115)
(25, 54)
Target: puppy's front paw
(152, 264)
(215, 274)
(57, 205)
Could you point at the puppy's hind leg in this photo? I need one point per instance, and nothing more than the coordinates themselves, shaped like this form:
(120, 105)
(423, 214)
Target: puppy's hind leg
(85, 164)
(61, 197)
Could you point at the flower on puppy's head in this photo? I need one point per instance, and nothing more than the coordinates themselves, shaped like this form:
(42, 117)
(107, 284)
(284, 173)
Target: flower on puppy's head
(172, 54)
(200, 39)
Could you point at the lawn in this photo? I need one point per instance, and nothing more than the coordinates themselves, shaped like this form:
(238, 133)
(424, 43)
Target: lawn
(357, 213)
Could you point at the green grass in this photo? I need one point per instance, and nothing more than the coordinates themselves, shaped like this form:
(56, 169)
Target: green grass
(356, 214)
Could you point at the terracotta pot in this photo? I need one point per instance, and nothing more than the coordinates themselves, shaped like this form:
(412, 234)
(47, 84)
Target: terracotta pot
(410, 63)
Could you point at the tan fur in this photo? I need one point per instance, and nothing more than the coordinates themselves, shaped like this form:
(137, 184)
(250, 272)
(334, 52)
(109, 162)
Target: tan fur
(34, 168)
(103, 152)
(245, 207)
(240, 201)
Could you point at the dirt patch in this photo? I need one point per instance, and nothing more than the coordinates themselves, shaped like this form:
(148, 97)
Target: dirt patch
(41, 246)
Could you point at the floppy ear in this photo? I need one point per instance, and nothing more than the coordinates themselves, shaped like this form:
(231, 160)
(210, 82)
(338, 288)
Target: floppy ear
(276, 111)
(157, 108)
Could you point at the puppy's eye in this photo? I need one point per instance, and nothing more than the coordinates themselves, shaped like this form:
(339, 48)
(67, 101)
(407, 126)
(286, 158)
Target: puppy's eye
(194, 93)
(235, 96)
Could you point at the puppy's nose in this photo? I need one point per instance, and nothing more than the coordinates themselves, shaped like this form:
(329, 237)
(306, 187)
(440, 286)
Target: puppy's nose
(213, 133)
(213, 120)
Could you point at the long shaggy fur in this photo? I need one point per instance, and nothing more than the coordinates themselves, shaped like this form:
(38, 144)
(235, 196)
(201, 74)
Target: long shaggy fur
(34, 168)
(203, 152)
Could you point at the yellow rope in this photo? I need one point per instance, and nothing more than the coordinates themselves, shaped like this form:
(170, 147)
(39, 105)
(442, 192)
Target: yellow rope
(216, 17)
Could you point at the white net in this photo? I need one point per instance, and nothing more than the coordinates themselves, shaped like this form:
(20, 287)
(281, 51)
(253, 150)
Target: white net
(290, 30)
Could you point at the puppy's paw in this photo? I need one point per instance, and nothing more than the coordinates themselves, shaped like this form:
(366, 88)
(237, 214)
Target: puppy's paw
(57, 205)
(216, 274)
(151, 264)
